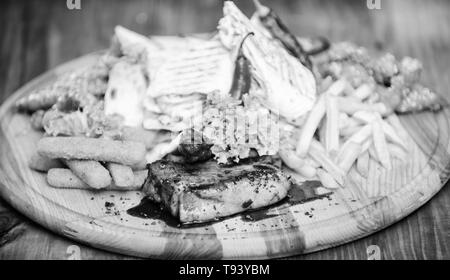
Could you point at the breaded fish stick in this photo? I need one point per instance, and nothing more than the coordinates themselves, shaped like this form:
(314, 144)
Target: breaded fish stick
(44, 164)
(148, 137)
(64, 178)
(122, 175)
(99, 149)
(91, 172)
(140, 166)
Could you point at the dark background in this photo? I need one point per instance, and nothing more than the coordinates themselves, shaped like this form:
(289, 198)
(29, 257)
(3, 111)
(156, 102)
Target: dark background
(38, 35)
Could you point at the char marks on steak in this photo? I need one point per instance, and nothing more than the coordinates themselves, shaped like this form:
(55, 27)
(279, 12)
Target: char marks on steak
(201, 192)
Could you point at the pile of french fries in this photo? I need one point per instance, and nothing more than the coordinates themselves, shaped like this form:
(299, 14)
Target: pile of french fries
(346, 128)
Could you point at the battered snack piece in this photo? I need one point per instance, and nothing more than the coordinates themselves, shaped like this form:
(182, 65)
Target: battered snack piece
(64, 178)
(148, 137)
(122, 175)
(91, 172)
(44, 164)
(139, 166)
(99, 149)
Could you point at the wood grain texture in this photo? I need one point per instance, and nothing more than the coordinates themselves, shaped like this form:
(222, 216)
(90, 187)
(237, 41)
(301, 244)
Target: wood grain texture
(39, 36)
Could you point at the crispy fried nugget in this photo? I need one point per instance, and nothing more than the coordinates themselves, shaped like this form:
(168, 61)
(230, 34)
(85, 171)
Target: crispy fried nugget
(43, 164)
(64, 178)
(91, 172)
(99, 149)
(122, 175)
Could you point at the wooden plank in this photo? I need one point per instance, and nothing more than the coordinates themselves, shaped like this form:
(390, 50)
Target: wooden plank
(404, 27)
(81, 214)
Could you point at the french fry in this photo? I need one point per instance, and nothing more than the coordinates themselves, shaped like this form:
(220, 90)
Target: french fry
(321, 191)
(349, 89)
(304, 166)
(337, 88)
(361, 135)
(332, 125)
(394, 121)
(351, 105)
(398, 152)
(349, 131)
(291, 159)
(327, 180)
(380, 145)
(318, 153)
(349, 156)
(306, 171)
(343, 120)
(390, 132)
(373, 153)
(352, 122)
(323, 132)
(363, 91)
(392, 136)
(325, 84)
(311, 162)
(362, 164)
(366, 145)
(364, 116)
(309, 128)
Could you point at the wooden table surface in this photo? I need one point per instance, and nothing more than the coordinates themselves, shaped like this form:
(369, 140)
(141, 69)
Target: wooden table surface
(38, 35)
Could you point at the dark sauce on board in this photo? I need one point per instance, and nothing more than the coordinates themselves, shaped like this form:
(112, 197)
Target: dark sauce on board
(147, 209)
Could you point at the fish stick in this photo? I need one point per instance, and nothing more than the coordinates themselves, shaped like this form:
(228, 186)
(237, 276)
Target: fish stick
(139, 166)
(99, 149)
(122, 175)
(64, 178)
(148, 137)
(44, 164)
(91, 172)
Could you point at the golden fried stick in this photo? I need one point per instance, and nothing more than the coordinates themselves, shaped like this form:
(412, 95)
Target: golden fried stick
(122, 175)
(99, 149)
(91, 172)
(39, 100)
(149, 137)
(43, 164)
(64, 178)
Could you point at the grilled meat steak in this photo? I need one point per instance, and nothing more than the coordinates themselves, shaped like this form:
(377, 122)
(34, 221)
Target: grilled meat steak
(202, 192)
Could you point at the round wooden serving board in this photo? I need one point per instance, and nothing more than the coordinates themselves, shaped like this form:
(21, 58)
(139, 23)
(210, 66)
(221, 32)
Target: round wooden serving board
(100, 219)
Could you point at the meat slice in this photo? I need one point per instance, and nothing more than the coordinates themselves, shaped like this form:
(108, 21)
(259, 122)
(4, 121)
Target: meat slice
(202, 192)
